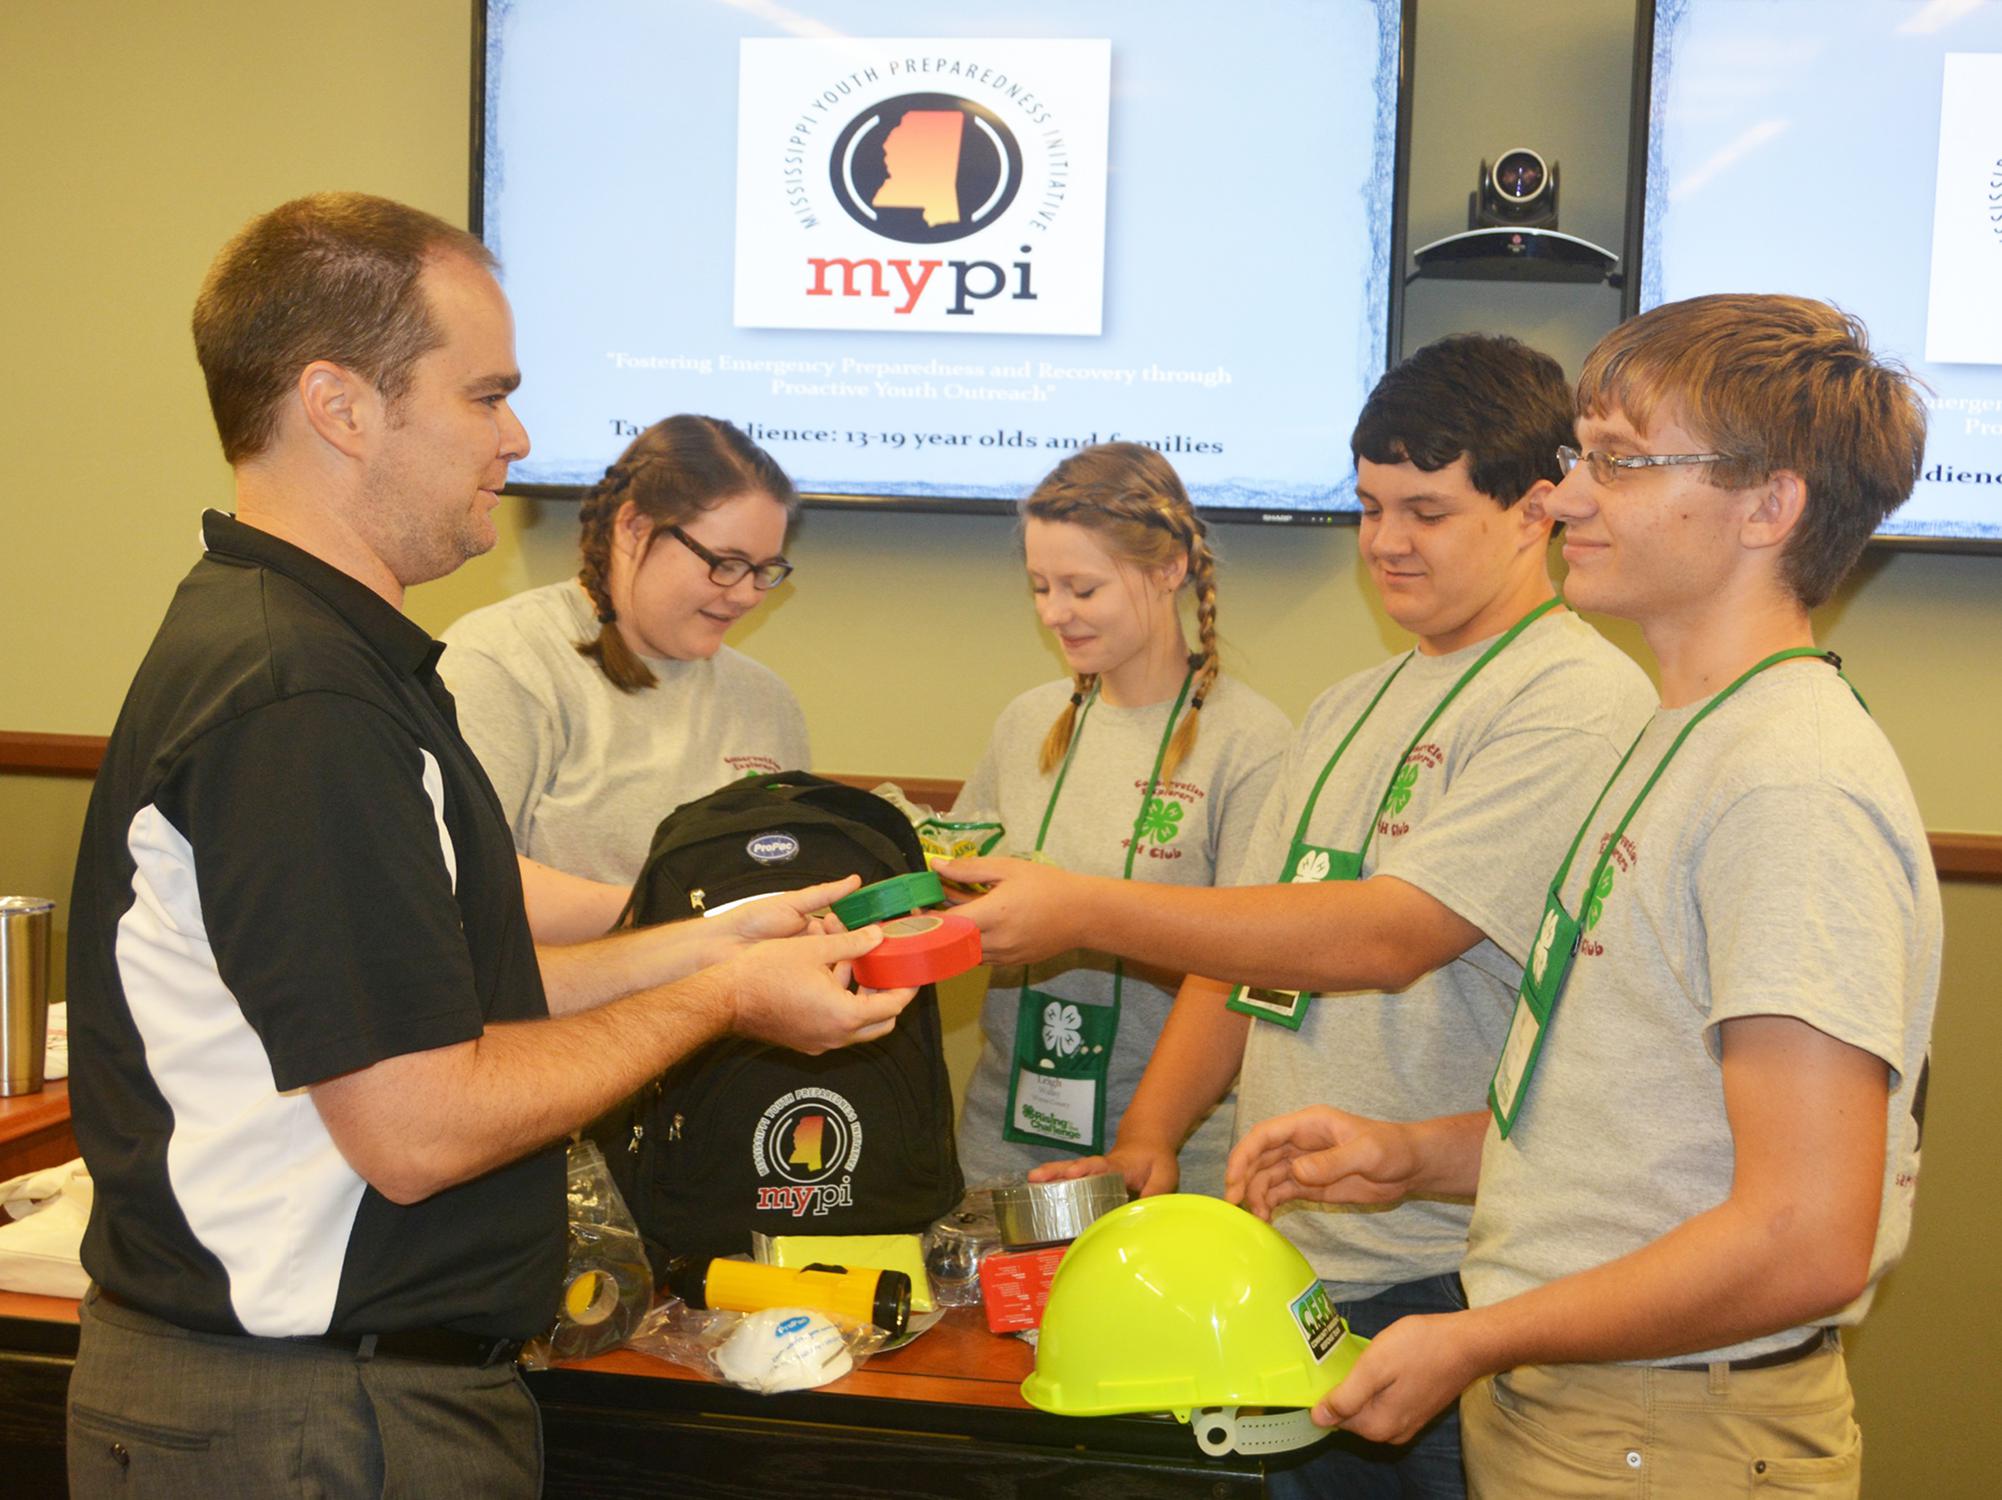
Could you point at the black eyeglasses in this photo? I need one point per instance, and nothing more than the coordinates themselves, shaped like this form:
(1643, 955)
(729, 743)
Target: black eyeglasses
(1606, 467)
(726, 572)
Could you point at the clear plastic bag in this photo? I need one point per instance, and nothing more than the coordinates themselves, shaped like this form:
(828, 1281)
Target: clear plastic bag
(958, 838)
(773, 1350)
(956, 1246)
(945, 837)
(607, 1281)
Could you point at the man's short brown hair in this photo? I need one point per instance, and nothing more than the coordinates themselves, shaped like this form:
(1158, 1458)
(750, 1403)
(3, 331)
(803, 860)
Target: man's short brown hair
(333, 276)
(1778, 383)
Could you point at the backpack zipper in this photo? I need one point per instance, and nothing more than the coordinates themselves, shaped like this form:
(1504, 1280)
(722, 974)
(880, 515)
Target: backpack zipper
(639, 1130)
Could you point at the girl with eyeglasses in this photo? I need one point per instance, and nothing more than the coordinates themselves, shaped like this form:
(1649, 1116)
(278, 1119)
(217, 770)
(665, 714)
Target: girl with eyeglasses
(599, 704)
(1145, 763)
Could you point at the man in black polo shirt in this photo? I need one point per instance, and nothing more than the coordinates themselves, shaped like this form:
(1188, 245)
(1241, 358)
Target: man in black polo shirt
(321, 1072)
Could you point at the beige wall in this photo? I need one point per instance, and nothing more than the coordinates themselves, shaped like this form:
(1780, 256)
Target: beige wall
(141, 135)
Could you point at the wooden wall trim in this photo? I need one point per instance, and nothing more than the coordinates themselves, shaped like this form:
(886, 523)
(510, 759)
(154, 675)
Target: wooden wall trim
(25, 754)
(1967, 856)
(936, 792)
(1957, 856)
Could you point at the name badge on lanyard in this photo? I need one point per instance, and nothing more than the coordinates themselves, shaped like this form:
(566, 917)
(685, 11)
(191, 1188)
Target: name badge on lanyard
(1063, 1048)
(1063, 1053)
(1309, 864)
(1550, 961)
(1556, 946)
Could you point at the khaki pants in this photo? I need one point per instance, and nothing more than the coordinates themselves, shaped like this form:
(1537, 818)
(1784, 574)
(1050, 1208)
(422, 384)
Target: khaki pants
(1601, 1431)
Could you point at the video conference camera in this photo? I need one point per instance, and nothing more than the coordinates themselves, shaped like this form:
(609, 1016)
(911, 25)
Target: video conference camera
(1512, 233)
(1519, 191)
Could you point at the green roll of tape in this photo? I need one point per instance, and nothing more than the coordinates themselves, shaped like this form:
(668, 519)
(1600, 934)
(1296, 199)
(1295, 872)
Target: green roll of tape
(889, 898)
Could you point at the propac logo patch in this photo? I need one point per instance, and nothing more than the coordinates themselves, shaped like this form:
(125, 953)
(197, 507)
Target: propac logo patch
(810, 1140)
(926, 168)
(860, 161)
(773, 848)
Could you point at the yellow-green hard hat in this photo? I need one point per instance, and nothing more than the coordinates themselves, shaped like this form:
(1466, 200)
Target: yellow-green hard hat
(1185, 1304)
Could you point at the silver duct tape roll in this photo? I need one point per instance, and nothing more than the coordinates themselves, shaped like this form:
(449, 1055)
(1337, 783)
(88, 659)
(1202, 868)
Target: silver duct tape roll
(955, 1247)
(1043, 1213)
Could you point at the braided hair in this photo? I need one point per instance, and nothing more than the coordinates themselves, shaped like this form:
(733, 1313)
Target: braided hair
(1134, 500)
(672, 472)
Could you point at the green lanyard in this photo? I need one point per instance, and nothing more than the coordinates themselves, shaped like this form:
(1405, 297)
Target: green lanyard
(1559, 933)
(1501, 643)
(1146, 798)
(1613, 841)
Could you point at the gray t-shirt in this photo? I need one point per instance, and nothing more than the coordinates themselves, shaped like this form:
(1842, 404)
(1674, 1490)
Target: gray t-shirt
(1200, 827)
(1779, 867)
(584, 771)
(1486, 803)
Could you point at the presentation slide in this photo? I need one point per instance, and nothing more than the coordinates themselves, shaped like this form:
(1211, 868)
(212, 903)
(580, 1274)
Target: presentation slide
(922, 252)
(1849, 150)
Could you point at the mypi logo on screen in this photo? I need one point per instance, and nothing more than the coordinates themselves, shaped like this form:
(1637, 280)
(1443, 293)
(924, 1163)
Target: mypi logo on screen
(926, 168)
(938, 185)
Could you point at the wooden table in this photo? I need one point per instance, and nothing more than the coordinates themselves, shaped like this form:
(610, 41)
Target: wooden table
(941, 1417)
(35, 1130)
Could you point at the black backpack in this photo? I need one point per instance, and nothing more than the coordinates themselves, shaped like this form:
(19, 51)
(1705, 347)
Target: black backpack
(746, 1136)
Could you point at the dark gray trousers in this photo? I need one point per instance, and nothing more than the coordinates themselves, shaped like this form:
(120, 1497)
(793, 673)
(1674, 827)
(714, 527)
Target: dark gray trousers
(162, 1412)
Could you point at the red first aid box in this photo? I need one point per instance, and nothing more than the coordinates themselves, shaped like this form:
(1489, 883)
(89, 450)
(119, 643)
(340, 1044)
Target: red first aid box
(1015, 1285)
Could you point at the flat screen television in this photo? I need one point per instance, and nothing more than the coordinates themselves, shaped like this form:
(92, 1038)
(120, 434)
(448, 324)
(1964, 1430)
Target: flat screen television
(921, 252)
(1849, 150)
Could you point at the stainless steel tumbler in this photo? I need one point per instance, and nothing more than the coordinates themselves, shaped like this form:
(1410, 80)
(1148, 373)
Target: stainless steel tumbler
(24, 992)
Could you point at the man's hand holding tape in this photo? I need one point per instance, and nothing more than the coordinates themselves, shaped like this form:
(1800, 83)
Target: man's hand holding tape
(579, 975)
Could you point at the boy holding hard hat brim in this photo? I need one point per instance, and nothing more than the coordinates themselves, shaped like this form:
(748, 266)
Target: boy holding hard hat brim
(1419, 810)
(1695, 1170)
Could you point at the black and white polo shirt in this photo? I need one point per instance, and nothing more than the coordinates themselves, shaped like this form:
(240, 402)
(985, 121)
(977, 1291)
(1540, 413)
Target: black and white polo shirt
(292, 868)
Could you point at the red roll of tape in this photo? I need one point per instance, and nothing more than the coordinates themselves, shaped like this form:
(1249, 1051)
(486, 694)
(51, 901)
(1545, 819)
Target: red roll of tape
(919, 949)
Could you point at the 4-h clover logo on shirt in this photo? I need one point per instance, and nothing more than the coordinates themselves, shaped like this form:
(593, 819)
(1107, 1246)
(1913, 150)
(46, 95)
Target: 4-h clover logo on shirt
(1600, 893)
(1062, 1026)
(1312, 868)
(1540, 959)
(1161, 821)
(1400, 788)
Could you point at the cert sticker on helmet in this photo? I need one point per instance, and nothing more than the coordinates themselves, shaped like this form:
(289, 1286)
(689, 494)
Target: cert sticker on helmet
(1318, 1322)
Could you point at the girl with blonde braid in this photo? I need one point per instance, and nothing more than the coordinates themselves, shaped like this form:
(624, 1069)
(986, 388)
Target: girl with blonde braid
(1146, 763)
(599, 704)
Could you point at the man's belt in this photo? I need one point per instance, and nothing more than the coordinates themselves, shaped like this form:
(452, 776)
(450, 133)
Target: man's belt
(442, 1346)
(1814, 1343)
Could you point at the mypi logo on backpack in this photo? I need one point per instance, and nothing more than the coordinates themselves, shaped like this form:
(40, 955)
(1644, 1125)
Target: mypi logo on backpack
(773, 848)
(809, 1138)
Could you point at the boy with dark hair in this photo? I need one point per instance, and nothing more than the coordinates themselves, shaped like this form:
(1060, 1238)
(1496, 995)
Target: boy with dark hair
(1698, 1171)
(1417, 810)
(1493, 399)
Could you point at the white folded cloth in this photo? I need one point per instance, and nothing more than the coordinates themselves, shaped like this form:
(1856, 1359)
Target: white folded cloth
(41, 1231)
